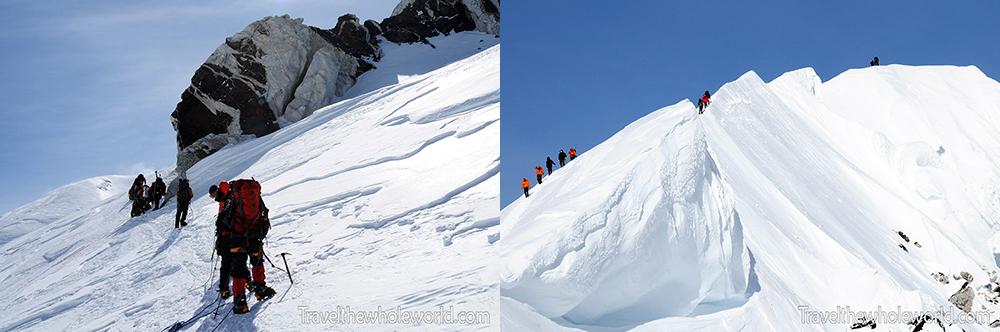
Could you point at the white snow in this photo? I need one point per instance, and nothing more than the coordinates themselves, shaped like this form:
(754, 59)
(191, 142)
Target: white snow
(64, 202)
(384, 201)
(647, 202)
(820, 177)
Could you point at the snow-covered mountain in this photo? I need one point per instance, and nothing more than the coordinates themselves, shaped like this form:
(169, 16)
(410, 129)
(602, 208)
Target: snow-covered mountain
(790, 205)
(385, 201)
(279, 70)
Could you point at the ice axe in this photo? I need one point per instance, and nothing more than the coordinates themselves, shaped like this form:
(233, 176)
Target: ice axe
(287, 270)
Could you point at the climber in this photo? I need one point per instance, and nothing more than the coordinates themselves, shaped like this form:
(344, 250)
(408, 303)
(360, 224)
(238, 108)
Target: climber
(703, 102)
(525, 185)
(874, 62)
(572, 154)
(135, 194)
(246, 216)
(159, 190)
(184, 195)
(539, 172)
(549, 163)
(562, 158)
(222, 238)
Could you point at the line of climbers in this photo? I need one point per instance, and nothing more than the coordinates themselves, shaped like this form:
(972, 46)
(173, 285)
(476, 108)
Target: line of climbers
(703, 103)
(146, 197)
(525, 184)
(240, 227)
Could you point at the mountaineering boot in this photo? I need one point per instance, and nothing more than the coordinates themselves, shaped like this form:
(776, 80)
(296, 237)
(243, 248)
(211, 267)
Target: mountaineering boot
(225, 292)
(240, 306)
(262, 291)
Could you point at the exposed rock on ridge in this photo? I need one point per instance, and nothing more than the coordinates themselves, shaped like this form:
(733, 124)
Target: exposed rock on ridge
(416, 20)
(280, 68)
(276, 67)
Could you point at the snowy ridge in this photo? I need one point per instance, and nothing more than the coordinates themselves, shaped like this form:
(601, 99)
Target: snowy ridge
(61, 203)
(826, 180)
(427, 188)
(644, 208)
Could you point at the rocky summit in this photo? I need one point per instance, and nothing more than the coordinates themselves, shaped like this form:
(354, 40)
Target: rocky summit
(280, 70)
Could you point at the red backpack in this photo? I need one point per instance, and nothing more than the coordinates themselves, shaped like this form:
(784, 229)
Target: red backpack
(247, 213)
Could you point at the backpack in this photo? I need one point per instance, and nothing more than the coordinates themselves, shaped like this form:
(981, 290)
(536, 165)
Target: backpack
(245, 211)
(159, 188)
(135, 193)
(183, 193)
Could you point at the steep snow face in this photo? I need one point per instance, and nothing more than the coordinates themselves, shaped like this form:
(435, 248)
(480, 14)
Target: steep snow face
(852, 194)
(384, 202)
(641, 227)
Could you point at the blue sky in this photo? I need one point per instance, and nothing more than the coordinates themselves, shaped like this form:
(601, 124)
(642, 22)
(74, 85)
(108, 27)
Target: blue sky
(87, 87)
(575, 73)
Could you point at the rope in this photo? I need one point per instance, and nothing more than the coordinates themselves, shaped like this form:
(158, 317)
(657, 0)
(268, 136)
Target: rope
(210, 275)
(222, 320)
(198, 315)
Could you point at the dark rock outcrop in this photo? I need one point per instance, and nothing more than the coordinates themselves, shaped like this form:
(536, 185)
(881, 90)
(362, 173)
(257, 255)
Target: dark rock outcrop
(278, 68)
(353, 37)
(416, 20)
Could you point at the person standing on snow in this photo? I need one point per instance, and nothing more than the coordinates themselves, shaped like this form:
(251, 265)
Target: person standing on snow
(572, 154)
(159, 190)
(525, 185)
(184, 195)
(874, 62)
(703, 102)
(562, 158)
(223, 235)
(539, 172)
(135, 194)
(549, 163)
(246, 243)
(147, 198)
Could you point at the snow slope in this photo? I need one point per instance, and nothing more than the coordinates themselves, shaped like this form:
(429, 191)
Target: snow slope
(824, 180)
(65, 202)
(384, 201)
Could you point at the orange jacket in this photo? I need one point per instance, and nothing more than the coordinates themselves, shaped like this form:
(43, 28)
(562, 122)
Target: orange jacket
(223, 189)
(525, 184)
(572, 153)
(538, 170)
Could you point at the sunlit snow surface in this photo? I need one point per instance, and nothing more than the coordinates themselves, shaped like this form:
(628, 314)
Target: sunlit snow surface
(820, 177)
(385, 199)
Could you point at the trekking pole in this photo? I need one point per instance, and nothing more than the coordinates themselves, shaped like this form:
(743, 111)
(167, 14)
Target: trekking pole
(287, 270)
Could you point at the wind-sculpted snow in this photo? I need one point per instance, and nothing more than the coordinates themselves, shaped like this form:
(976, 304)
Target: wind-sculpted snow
(60, 203)
(431, 187)
(641, 227)
(853, 195)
